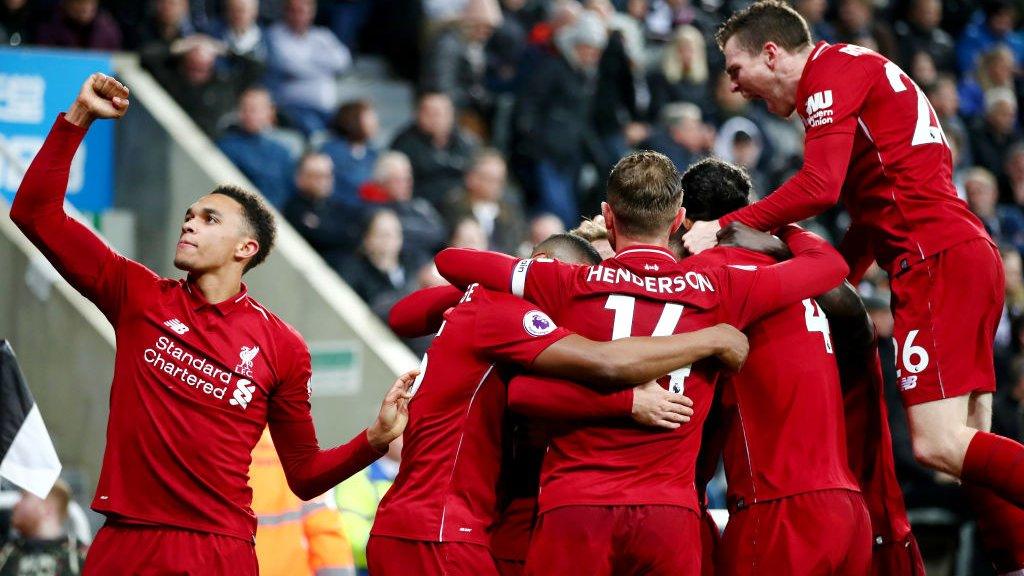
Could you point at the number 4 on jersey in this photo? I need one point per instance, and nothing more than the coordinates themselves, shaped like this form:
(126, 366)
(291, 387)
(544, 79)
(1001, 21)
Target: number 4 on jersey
(622, 327)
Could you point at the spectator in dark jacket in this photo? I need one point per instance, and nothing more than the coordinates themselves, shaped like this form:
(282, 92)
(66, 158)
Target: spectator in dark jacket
(682, 75)
(683, 136)
(80, 24)
(920, 32)
(331, 228)
(857, 20)
(377, 272)
(15, 22)
(205, 92)
(485, 198)
(553, 120)
(439, 150)
(43, 545)
(240, 31)
(391, 187)
(1004, 222)
(352, 149)
(169, 23)
(263, 160)
(992, 138)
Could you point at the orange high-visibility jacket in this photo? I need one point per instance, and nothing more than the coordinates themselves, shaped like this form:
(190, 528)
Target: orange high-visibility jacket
(294, 538)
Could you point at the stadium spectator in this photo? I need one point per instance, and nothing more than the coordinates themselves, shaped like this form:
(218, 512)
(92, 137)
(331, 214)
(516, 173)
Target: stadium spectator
(541, 39)
(996, 69)
(1008, 404)
(293, 538)
(439, 150)
(664, 16)
(945, 100)
(1005, 223)
(486, 199)
(457, 60)
(814, 12)
(330, 227)
(740, 142)
(469, 234)
(377, 272)
(423, 230)
(240, 31)
(682, 75)
(357, 499)
(80, 24)
(920, 32)
(1012, 177)
(43, 544)
(993, 137)
(857, 21)
(169, 23)
(1013, 272)
(994, 24)
(304, 64)
(351, 147)
(553, 119)
(683, 136)
(541, 227)
(264, 160)
(207, 94)
(15, 22)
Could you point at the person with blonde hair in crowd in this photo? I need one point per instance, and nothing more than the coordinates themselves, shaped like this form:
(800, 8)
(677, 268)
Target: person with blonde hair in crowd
(682, 75)
(43, 545)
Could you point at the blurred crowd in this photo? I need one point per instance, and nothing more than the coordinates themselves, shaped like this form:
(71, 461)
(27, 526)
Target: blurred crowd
(522, 107)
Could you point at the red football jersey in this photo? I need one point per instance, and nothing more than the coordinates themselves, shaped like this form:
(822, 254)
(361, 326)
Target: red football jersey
(194, 383)
(783, 413)
(898, 185)
(644, 291)
(451, 461)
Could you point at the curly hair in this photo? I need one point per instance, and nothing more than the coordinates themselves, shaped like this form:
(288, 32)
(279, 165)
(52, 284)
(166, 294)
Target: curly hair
(713, 188)
(258, 218)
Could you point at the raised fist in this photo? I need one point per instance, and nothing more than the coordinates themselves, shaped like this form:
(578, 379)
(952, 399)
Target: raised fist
(100, 97)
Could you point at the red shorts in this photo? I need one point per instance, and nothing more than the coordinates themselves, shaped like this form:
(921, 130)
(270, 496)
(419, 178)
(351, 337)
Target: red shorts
(897, 559)
(386, 555)
(946, 310)
(155, 551)
(619, 540)
(817, 533)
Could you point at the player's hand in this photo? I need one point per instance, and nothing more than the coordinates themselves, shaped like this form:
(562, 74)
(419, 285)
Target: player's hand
(100, 97)
(743, 236)
(655, 406)
(701, 236)
(394, 413)
(732, 346)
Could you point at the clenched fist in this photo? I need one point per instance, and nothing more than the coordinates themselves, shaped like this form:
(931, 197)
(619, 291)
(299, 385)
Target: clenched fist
(100, 97)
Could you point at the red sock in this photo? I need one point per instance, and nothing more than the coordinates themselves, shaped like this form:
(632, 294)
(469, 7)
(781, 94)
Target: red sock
(1000, 527)
(997, 463)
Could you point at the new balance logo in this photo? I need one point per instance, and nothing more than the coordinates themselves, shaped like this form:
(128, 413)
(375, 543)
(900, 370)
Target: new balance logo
(243, 393)
(177, 326)
(819, 101)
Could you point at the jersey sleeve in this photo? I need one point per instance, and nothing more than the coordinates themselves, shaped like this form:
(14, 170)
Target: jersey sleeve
(539, 280)
(79, 255)
(830, 100)
(508, 329)
(554, 399)
(751, 292)
(422, 312)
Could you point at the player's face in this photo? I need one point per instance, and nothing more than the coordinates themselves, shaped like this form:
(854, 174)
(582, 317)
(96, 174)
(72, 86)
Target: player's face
(755, 77)
(213, 235)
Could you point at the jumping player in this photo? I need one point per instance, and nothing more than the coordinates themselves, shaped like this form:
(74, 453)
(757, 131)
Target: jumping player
(201, 369)
(873, 139)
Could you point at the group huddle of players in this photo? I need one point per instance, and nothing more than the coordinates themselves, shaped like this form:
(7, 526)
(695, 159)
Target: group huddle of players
(572, 405)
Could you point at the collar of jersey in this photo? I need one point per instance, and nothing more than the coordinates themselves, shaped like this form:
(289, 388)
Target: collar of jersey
(646, 252)
(801, 88)
(224, 308)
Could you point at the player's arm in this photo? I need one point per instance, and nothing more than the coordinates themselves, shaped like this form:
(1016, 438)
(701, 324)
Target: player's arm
(631, 361)
(81, 257)
(465, 266)
(422, 312)
(737, 235)
(856, 248)
(311, 471)
(561, 400)
(814, 269)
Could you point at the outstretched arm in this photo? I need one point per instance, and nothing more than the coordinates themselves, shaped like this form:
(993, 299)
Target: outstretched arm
(422, 312)
(631, 361)
(80, 256)
(311, 471)
(811, 191)
(464, 266)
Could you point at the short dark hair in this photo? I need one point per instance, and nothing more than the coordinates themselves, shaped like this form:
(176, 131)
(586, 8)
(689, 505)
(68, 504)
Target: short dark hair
(644, 193)
(257, 216)
(569, 248)
(713, 188)
(765, 21)
(348, 121)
